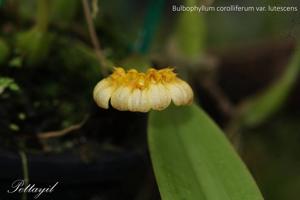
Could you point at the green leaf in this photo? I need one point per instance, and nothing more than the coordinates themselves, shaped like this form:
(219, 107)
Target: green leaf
(6, 82)
(193, 160)
(16, 62)
(258, 108)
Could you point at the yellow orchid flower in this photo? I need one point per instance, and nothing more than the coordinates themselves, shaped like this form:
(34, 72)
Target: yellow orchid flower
(139, 92)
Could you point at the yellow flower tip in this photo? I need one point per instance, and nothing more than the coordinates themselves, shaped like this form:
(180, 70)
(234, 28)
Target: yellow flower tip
(139, 92)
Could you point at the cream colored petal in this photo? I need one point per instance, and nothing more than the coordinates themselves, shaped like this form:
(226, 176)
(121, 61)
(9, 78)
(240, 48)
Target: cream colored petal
(176, 93)
(119, 99)
(104, 83)
(181, 93)
(134, 100)
(139, 101)
(102, 93)
(145, 104)
(159, 97)
(189, 94)
(103, 96)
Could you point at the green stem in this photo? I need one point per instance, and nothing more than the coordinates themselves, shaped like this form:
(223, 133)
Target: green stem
(42, 18)
(191, 32)
(25, 171)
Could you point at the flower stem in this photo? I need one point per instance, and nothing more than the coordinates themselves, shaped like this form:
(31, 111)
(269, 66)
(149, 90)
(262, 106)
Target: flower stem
(42, 19)
(25, 171)
(105, 64)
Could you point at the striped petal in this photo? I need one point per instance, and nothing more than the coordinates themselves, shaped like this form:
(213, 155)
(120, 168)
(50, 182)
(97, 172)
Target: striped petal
(159, 96)
(119, 99)
(134, 100)
(187, 91)
(181, 93)
(102, 93)
(145, 104)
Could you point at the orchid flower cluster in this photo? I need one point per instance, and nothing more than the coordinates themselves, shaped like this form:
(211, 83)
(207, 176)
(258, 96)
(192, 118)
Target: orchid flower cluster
(140, 92)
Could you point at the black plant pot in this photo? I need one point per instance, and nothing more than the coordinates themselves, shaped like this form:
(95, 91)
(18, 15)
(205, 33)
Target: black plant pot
(112, 175)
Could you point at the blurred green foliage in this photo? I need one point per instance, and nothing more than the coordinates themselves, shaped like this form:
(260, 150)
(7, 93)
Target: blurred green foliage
(7, 83)
(272, 152)
(4, 51)
(258, 108)
(64, 12)
(2, 2)
(34, 45)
